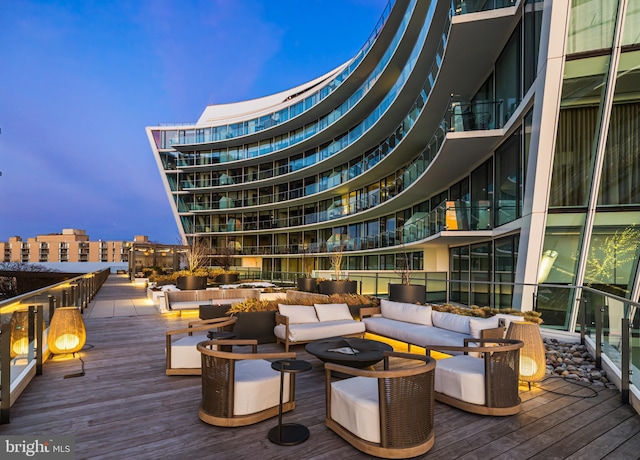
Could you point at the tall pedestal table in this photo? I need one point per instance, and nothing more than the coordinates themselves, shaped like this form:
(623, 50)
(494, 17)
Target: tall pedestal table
(288, 434)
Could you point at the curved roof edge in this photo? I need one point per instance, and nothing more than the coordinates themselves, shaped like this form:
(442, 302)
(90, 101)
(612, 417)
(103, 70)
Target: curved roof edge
(239, 111)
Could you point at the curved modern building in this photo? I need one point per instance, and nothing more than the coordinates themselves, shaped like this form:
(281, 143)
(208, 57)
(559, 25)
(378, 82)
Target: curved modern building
(494, 141)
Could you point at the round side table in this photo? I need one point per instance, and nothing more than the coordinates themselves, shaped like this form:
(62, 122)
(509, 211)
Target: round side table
(288, 434)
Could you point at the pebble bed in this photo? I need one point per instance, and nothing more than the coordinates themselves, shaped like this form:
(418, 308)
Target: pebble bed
(573, 361)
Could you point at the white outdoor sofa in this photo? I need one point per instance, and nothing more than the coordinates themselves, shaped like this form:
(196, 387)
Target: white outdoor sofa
(422, 326)
(192, 299)
(302, 324)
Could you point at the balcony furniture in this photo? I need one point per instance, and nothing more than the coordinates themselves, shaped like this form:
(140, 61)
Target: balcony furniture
(376, 411)
(288, 434)
(182, 356)
(304, 324)
(242, 388)
(422, 326)
(352, 352)
(483, 380)
(193, 299)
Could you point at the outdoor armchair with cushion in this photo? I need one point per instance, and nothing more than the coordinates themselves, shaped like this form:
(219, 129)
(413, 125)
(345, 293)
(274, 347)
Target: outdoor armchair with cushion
(182, 356)
(483, 380)
(387, 413)
(242, 388)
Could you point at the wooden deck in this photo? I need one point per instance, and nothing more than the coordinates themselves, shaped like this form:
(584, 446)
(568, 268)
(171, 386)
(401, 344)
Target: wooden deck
(125, 407)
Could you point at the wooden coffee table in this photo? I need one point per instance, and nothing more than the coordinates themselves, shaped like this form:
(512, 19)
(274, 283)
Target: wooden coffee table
(359, 353)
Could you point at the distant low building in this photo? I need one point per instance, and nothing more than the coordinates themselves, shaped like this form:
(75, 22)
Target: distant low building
(73, 245)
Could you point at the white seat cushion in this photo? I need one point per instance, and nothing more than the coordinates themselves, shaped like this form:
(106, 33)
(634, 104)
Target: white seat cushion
(257, 386)
(185, 354)
(461, 377)
(316, 331)
(332, 311)
(298, 314)
(407, 312)
(354, 405)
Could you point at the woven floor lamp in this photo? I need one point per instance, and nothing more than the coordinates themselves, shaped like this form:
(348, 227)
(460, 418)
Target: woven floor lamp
(533, 363)
(67, 333)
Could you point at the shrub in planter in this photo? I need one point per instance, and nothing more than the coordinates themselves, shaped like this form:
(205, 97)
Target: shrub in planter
(256, 319)
(408, 293)
(308, 284)
(329, 287)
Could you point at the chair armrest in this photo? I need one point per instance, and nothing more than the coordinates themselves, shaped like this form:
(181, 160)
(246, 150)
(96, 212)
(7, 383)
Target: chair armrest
(484, 345)
(369, 311)
(211, 321)
(282, 319)
(493, 333)
(429, 362)
(204, 327)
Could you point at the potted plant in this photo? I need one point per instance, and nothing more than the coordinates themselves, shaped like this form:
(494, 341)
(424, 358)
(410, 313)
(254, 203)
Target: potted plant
(337, 286)
(194, 276)
(256, 319)
(306, 283)
(405, 291)
(224, 260)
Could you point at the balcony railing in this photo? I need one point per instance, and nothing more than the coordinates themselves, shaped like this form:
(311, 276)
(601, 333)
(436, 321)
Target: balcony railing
(20, 362)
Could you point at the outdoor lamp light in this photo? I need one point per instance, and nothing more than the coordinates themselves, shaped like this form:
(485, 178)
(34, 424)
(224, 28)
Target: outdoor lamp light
(548, 259)
(67, 333)
(19, 333)
(532, 355)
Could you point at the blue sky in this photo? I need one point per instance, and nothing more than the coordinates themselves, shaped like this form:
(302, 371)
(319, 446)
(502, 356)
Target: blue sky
(80, 81)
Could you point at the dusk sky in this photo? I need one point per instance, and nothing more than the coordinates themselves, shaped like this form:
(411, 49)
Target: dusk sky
(80, 81)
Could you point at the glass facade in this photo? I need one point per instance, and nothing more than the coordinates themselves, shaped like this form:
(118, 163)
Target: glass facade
(395, 165)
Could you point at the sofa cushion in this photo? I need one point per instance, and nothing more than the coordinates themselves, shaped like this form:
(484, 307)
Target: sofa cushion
(332, 311)
(354, 405)
(477, 325)
(298, 314)
(408, 312)
(415, 334)
(461, 377)
(257, 387)
(309, 332)
(451, 322)
(185, 354)
(189, 304)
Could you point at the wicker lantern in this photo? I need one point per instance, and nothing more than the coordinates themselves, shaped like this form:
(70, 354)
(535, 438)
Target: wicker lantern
(19, 333)
(532, 354)
(67, 333)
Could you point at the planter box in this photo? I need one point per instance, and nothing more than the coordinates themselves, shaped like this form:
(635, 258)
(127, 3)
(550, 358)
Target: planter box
(308, 284)
(227, 278)
(213, 311)
(338, 287)
(191, 283)
(408, 293)
(256, 325)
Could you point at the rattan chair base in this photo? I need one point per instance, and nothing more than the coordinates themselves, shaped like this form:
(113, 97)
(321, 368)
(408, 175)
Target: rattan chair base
(376, 449)
(243, 420)
(475, 408)
(185, 371)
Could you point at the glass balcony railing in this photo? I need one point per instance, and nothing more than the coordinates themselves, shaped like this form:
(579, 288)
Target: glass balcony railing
(24, 322)
(224, 132)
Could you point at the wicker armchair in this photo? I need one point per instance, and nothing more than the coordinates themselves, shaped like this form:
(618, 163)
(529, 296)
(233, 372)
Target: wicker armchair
(241, 388)
(182, 356)
(386, 413)
(483, 380)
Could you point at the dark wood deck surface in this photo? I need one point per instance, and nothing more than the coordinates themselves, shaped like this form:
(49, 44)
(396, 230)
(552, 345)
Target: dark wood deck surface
(125, 407)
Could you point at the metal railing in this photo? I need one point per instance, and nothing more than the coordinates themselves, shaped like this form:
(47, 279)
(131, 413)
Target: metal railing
(24, 323)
